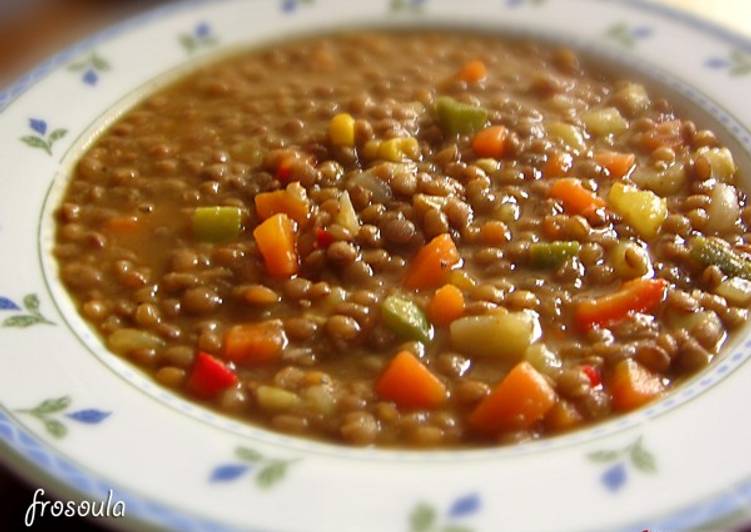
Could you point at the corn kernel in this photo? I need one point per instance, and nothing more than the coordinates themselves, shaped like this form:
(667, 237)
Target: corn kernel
(370, 150)
(342, 130)
(389, 150)
(410, 147)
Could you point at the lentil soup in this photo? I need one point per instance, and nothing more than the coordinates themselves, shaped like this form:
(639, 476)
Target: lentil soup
(424, 239)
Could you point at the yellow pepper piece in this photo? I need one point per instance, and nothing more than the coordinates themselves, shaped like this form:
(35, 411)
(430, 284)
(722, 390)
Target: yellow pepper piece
(342, 130)
(641, 209)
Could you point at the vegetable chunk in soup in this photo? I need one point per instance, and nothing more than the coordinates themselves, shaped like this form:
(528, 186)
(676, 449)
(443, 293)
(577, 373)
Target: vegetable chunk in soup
(424, 239)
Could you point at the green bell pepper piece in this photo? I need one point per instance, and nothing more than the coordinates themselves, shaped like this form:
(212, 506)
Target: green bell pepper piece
(459, 118)
(552, 254)
(217, 224)
(406, 319)
(712, 251)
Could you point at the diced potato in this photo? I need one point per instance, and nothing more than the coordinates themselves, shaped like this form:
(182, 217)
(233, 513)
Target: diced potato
(544, 360)
(276, 399)
(321, 398)
(496, 335)
(720, 161)
(723, 211)
(124, 341)
(605, 121)
(736, 291)
(569, 134)
(665, 183)
(347, 217)
(631, 99)
(641, 209)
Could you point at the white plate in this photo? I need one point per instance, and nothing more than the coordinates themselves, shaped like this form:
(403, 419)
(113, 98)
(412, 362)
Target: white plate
(679, 463)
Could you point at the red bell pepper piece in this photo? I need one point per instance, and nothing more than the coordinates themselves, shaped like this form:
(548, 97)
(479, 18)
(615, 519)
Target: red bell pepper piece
(209, 376)
(639, 295)
(324, 238)
(592, 374)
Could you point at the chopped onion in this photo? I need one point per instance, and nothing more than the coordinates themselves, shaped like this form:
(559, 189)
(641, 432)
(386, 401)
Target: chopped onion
(723, 210)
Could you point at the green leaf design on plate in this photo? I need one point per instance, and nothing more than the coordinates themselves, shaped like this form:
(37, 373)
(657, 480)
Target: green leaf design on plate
(31, 302)
(422, 518)
(99, 63)
(642, 459)
(50, 406)
(57, 134)
(248, 454)
(603, 456)
(36, 142)
(271, 473)
(187, 42)
(55, 428)
(77, 67)
(22, 321)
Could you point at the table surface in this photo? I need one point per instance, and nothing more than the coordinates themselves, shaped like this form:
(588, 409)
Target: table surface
(46, 26)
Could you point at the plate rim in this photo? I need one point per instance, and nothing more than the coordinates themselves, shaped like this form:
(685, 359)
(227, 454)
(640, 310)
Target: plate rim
(15, 452)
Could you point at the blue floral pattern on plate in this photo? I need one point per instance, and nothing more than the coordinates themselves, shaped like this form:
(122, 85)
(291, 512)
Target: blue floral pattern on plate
(615, 476)
(626, 35)
(90, 68)
(737, 63)
(425, 518)
(267, 471)
(42, 140)
(33, 316)
(49, 410)
(290, 6)
(407, 5)
(200, 37)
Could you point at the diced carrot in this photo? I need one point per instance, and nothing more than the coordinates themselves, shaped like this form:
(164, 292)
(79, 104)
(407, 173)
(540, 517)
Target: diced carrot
(617, 164)
(284, 201)
(575, 198)
(432, 263)
(258, 294)
(209, 376)
(276, 240)
(519, 401)
(473, 71)
(122, 224)
(632, 385)
(665, 134)
(255, 343)
(494, 233)
(447, 305)
(558, 164)
(638, 295)
(409, 384)
(490, 142)
(563, 416)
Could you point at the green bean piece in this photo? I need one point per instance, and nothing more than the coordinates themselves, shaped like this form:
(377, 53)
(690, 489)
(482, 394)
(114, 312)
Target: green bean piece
(715, 252)
(406, 319)
(552, 254)
(459, 118)
(217, 224)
